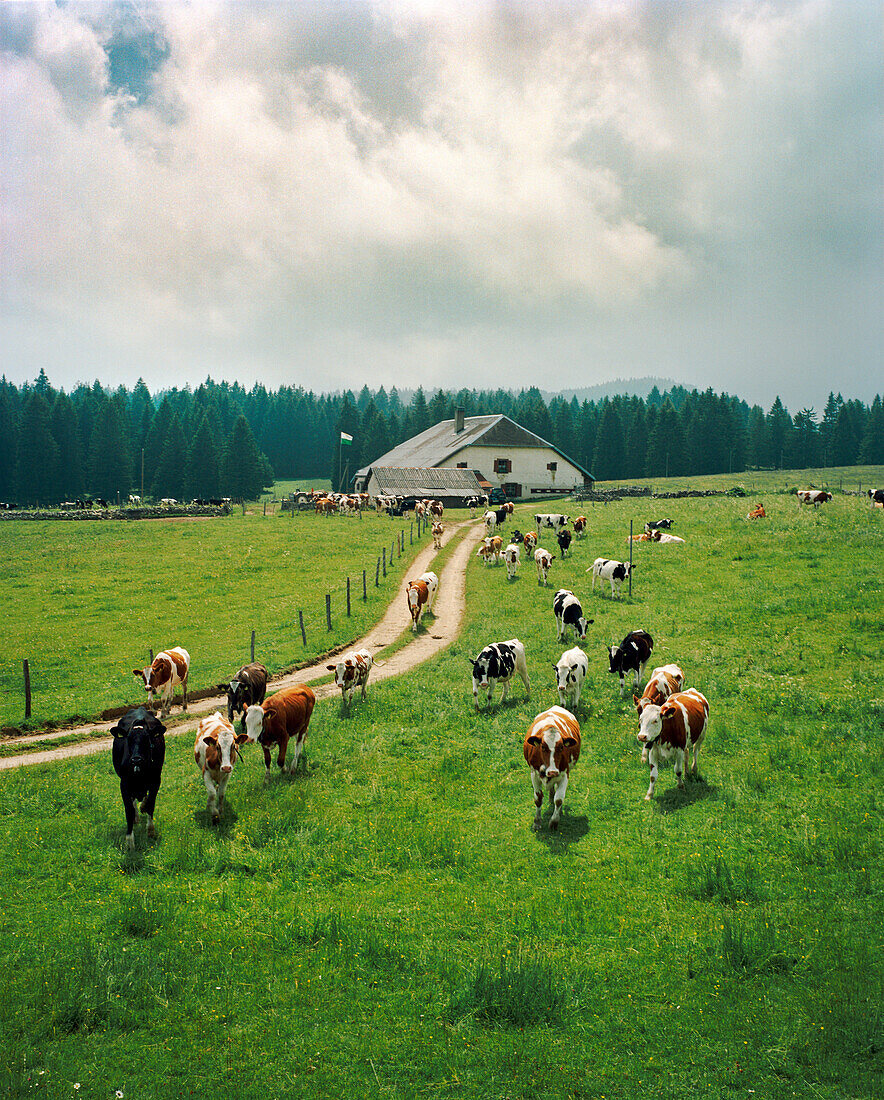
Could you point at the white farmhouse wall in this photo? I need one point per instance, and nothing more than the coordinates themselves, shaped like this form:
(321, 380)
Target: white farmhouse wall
(529, 467)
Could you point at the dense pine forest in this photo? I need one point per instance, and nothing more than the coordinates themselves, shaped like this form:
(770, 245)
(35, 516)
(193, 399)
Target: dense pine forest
(221, 439)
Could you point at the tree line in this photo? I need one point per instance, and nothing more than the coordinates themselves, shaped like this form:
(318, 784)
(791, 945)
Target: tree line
(223, 440)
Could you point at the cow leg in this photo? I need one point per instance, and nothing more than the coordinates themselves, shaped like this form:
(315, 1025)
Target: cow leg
(281, 754)
(654, 770)
(505, 687)
(557, 796)
(537, 784)
(147, 807)
(266, 763)
(526, 682)
(622, 683)
(681, 764)
(212, 792)
(184, 693)
(296, 752)
(131, 819)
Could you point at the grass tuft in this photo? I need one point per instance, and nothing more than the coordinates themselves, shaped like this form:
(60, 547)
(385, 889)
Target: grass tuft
(513, 994)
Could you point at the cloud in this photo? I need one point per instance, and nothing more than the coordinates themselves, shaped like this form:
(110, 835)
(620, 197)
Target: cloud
(239, 183)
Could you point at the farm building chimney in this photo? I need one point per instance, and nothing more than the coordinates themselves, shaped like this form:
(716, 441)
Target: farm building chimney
(458, 420)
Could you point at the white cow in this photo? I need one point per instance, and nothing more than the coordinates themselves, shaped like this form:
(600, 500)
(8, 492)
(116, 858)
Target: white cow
(490, 521)
(571, 671)
(555, 520)
(432, 583)
(215, 752)
(511, 557)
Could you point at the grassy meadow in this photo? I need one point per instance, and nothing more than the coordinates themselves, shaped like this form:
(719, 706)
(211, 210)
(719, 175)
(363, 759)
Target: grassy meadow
(85, 602)
(386, 923)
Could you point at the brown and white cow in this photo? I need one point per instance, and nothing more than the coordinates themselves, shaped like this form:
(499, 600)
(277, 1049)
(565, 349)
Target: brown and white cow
(417, 594)
(216, 751)
(511, 558)
(580, 527)
(664, 681)
(280, 719)
(166, 671)
(816, 497)
(351, 672)
(530, 542)
(543, 559)
(671, 731)
(438, 528)
(436, 509)
(551, 746)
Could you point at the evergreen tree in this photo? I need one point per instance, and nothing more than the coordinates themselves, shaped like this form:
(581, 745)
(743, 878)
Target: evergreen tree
(666, 445)
(37, 452)
(70, 479)
(845, 445)
(637, 442)
(871, 450)
(779, 433)
(109, 463)
(9, 418)
(155, 443)
(805, 439)
(347, 456)
(758, 444)
(245, 468)
(170, 475)
(203, 463)
(610, 445)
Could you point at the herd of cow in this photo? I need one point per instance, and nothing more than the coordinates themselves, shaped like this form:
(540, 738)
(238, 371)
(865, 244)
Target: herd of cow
(672, 721)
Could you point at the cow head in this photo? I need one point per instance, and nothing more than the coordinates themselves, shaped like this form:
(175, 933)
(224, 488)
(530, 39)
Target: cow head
(567, 674)
(221, 745)
(651, 718)
(236, 697)
(553, 751)
(485, 668)
(254, 723)
(615, 658)
(137, 742)
(155, 675)
(345, 671)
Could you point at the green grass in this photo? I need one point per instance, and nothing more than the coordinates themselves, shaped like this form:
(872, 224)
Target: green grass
(85, 602)
(387, 924)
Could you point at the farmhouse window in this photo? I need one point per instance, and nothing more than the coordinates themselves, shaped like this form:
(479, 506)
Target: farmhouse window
(461, 465)
(552, 466)
(503, 466)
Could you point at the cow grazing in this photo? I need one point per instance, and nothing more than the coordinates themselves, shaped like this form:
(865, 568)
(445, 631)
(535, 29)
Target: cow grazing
(658, 525)
(248, 686)
(876, 496)
(351, 672)
(139, 750)
(631, 655)
(278, 720)
(571, 671)
(554, 520)
(498, 663)
(215, 752)
(671, 731)
(543, 559)
(166, 671)
(552, 745)
(580, 527)
(816, 497)
(608, 570)
(417, 594)
(438, 528)
(563, 538)
(529, 540)
(511, 557)
(569, 613)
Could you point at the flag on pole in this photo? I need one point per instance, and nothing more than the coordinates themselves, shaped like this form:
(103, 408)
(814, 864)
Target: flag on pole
(346, 438)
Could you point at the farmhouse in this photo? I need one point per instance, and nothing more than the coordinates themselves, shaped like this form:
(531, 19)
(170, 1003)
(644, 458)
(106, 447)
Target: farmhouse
(494, 448)
(451, 485)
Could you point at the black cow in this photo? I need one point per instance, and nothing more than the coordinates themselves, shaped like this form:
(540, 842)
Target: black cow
(501, 514)
(631, 656)
(569, 612)
(564, 539)
(517, 537)
(248, 686)
(138, 754)
(658, 525)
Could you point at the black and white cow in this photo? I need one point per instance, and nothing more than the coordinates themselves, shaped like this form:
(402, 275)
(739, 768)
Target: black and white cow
(876, 496)
(138, 753)
(630, 656)
(569, 613)
(554, 520)
(499, 662)
(658, 525)
(564, 540)
(608, 570)
(248, 686)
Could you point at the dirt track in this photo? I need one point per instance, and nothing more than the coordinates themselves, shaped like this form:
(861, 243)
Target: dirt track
(438, 632)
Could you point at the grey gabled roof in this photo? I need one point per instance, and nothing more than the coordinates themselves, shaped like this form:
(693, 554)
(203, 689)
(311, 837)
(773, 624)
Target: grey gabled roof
(422, 481)
(439, 443)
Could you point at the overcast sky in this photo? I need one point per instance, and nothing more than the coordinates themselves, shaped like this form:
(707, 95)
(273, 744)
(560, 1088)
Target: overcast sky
(411, 192)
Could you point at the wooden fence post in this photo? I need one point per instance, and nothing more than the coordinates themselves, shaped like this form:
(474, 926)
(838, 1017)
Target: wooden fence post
(328, 610)
(303, 631)
(411, 533)
(377, 573)
(384, 560)
(630, 559)
(348, 596)
(253, 647)
(27, 671)
(364, 592)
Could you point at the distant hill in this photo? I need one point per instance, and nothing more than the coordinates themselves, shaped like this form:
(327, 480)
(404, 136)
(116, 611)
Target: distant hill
(628, 387)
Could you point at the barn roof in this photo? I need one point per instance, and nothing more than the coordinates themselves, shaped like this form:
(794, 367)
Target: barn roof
(436, 481)
(441, 442)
